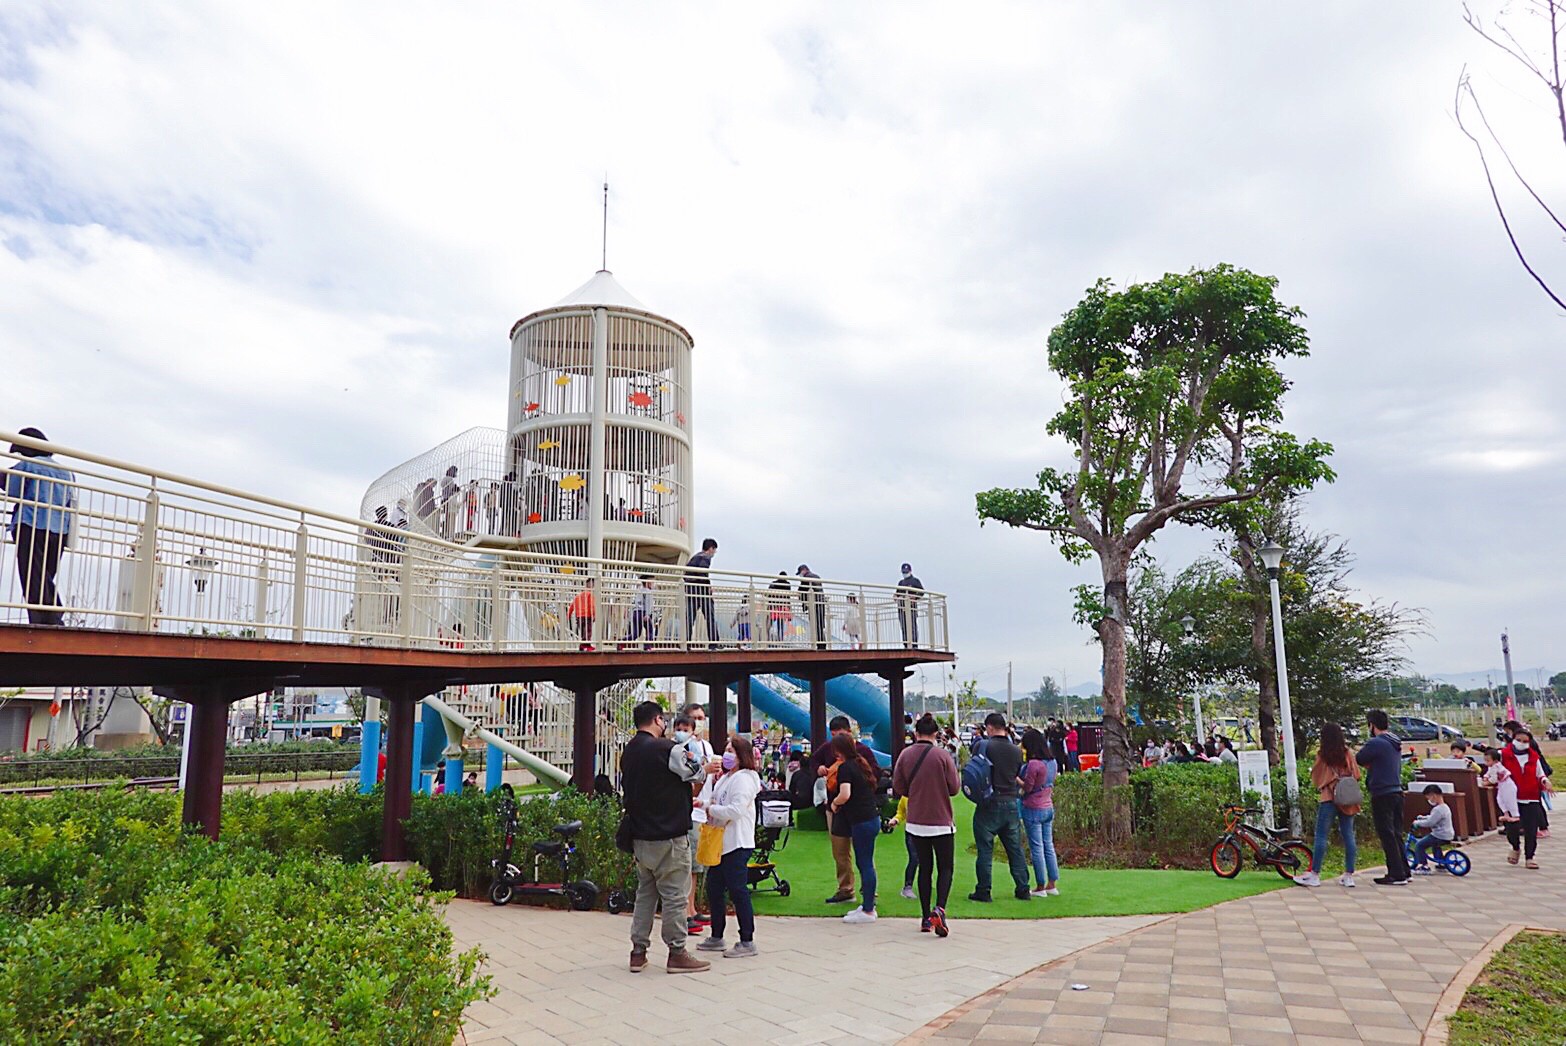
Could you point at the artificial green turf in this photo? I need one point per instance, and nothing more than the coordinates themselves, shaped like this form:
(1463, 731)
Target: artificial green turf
(1519, 997)
(806, 862)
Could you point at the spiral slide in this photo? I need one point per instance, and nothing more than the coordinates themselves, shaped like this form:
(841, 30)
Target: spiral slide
(850, 695)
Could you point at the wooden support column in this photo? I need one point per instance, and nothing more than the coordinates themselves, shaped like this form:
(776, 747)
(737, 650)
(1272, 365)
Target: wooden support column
(818, 711)
(202, 807)
(584, 726)
(894, 694)
(402, 702)
(742, 704)
(718, 712)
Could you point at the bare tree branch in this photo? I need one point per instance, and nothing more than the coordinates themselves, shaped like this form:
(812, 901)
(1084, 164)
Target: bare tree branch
(1500, 209)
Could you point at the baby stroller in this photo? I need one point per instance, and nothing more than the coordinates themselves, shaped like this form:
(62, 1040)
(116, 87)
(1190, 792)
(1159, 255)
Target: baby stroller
(774, 816)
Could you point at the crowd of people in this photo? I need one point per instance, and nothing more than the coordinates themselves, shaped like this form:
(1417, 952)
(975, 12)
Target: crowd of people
(1516, 769)
(690, 824)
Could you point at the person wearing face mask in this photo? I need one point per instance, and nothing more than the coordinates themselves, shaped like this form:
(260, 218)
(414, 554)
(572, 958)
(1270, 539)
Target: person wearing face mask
(689, 727)
(1511, 729)
(731, 803)
(1526, 767)
(658, 778)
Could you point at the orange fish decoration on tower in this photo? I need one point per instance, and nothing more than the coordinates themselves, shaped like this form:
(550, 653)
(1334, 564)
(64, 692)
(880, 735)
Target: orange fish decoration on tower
(641, 399)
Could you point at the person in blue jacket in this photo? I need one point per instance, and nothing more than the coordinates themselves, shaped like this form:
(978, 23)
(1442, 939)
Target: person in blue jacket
(40, 493)
(1382, 758)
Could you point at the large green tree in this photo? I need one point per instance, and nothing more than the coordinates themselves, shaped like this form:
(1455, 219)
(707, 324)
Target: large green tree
(1167, 384)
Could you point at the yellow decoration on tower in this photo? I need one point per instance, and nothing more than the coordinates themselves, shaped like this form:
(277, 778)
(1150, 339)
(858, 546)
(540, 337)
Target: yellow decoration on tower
(660, 488)
(564, 379)
(572, 482)
(549, 444)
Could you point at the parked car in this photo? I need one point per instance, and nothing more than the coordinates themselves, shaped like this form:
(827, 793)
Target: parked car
(1418, 728)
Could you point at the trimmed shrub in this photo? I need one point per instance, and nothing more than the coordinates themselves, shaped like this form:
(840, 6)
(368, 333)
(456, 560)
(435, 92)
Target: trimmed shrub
(116, 927)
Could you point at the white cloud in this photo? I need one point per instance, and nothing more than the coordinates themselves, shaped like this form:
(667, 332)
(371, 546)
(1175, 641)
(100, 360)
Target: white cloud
(281, 247)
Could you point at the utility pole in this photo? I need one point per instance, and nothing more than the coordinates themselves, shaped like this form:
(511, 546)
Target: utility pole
(1010, 715)
(1511, 687)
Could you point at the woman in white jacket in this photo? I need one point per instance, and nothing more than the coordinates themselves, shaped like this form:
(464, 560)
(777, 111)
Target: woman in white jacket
(730, 801)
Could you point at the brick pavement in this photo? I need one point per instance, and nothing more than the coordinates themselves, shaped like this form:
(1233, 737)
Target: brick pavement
(1316, 967)
(562, 977)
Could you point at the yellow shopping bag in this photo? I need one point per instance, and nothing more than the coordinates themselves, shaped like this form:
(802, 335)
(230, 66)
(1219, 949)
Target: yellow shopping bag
(709, 846)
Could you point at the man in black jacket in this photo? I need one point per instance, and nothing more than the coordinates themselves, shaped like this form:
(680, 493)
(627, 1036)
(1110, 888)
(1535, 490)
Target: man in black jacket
(698, 592)
(658, 815)
(909, 590)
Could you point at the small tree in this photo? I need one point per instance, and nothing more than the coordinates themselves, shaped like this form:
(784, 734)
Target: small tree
(1168, 384)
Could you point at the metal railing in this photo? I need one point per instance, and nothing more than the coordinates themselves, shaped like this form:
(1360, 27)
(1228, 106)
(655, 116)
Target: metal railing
(149, 551)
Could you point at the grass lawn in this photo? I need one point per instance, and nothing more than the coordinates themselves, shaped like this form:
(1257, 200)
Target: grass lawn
(1519, 998)
(807, 865)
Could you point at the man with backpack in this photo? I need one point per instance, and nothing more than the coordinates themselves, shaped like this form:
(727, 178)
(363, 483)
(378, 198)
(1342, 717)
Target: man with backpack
(990, 781)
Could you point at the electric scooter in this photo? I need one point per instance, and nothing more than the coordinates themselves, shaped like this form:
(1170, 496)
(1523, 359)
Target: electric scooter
(508, 883)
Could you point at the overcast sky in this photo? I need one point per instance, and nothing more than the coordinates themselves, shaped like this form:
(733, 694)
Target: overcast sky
(280, 246)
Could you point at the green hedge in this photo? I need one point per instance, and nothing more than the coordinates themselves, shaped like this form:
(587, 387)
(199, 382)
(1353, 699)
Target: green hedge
(91, 764)
(116, 927)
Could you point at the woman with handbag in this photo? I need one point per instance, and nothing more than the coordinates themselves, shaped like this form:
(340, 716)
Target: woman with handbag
(1336, 777)
(727, 839)
(926, 775)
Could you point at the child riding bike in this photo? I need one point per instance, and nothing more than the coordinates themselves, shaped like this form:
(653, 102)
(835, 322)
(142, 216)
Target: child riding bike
(1439, 823)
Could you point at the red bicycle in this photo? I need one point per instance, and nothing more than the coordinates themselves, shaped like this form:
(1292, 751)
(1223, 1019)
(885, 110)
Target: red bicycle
(1271, 847)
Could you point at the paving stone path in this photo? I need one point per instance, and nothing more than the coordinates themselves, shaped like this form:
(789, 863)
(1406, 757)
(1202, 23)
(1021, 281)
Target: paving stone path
(1316, 967)
(562, 977)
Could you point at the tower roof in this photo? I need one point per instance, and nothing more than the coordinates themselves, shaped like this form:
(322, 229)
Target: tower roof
(602, 289)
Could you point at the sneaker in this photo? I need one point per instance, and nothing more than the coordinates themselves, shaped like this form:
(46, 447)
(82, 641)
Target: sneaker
(840, 898)
(697, 923)
(924, 925)
(859, 915)
(1387, 880)
(938, 922)
(1421, 870)
(711, 944)
(908, 892)
(742, 950)
(1021, 893)
(1307, 879)
(982, 898)
(1347, 879)
(1513, 857)
(1052, 891)
(682, 961)
(1531, 864)
(1040, 892)
(638, 961)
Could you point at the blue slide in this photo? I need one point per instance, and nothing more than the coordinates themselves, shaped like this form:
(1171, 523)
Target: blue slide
(850, 695)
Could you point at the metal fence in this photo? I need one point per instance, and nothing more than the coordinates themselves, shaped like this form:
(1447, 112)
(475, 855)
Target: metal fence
(138, 549)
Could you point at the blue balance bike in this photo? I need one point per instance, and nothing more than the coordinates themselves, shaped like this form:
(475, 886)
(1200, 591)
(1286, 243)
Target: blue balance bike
(1445, 856)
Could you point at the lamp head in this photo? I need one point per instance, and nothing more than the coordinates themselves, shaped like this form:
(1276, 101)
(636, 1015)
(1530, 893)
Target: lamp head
(1189, 624)
(1272, 556)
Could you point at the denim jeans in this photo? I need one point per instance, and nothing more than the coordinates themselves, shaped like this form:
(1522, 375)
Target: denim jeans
(728, 877)
(1326, 813)
(864, 836)
(998, 817)
(1422, 847)
(1041, 843)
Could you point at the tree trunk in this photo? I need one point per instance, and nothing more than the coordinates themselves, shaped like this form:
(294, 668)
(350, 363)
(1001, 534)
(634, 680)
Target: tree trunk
(1266, 679)
(1115, 756)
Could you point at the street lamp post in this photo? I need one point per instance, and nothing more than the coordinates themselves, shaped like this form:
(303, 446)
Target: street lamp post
(1189, 624)
(1272, 557)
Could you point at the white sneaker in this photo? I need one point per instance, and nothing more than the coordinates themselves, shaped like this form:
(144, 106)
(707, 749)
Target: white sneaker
(1042, 892)
(1053, 891)
(1308, 879)
(908, 892)
(1347, 879)
(859, 915)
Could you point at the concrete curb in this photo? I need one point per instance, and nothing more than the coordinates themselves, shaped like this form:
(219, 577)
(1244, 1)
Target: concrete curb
(1436, 1032)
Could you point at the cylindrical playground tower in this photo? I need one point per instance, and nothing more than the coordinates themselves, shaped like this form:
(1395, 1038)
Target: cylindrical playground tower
(598, 451)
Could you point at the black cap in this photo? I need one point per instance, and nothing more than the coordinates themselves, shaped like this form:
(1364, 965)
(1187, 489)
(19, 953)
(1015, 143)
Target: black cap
(29, 452)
